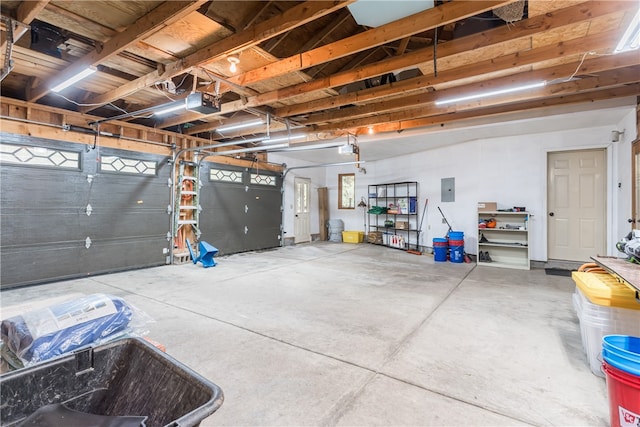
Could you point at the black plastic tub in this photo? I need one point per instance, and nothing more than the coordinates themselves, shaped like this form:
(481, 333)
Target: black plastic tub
(128, 377)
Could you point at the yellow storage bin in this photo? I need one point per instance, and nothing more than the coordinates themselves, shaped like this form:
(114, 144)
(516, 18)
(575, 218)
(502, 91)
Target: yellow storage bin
(353, 236)
(605, 290)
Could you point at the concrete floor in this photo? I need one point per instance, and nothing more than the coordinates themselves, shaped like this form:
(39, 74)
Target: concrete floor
(343, 334)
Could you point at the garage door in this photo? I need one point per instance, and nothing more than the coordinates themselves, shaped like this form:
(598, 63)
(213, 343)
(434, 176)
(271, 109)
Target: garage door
(68, 211)
(240, 208)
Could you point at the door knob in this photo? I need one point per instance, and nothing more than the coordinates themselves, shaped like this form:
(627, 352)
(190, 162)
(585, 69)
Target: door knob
(631, 220)
(551, 213)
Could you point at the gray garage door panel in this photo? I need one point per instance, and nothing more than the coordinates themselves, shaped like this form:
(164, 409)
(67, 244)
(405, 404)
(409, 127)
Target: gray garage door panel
(264, 215)
(43, 211)
(239, 216)
(222, 220)
(26, 265)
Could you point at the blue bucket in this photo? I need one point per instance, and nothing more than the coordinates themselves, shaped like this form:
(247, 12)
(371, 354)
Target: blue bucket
(440, 249)
(622, 352)
(456, 235)
(456, 250)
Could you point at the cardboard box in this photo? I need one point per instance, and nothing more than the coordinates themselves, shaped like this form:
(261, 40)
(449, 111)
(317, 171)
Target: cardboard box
(402, 225)
(487, 206)
(375, 237)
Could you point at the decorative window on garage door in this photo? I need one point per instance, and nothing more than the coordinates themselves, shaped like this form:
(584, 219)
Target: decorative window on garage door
(129, 166)
(225, 175)
(39, 156)
(263, 179)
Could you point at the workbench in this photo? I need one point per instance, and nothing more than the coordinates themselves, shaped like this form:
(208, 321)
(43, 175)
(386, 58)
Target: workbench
(626, 272)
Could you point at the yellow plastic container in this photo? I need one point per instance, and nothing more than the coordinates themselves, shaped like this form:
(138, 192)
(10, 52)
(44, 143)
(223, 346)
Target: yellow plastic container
(352, 236)
(605, 290)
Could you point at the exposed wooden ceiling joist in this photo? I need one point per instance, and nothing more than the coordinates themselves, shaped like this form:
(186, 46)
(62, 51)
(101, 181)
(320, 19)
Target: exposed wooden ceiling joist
(163, 15)
(252, 36)
(324, 65)
(431, 18)
(563, 73)
(514, 61)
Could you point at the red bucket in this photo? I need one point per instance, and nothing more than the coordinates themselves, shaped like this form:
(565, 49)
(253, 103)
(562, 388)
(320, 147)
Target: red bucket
(624, 397)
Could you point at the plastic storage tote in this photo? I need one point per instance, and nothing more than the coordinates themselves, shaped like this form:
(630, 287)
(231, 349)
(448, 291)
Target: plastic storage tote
(352, 236)
(604, 306)
(128, 377)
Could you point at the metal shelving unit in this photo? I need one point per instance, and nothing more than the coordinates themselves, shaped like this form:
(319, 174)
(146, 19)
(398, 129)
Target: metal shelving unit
(398, 225)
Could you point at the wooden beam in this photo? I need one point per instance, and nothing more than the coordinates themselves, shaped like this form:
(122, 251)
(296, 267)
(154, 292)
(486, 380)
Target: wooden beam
(422, 21)
(425, 116)
(29, 10)
(321, 35)
(25, 14)
(515, 61)
(163, 15)
(517, 30)
(292, 18)
(561, 72)
(497, 111)
(402, 47)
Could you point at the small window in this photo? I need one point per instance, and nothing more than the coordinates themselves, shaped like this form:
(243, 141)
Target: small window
(263, 179)
(119, 164)
(225, 175)
(347, 191)
(39, 156)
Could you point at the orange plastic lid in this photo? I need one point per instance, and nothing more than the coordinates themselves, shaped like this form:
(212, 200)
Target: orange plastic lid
(604, 289)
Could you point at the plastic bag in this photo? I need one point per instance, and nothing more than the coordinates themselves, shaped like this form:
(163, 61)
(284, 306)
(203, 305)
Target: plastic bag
(42, 334)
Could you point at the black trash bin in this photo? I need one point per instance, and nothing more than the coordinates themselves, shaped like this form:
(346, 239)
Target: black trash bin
(127, 377)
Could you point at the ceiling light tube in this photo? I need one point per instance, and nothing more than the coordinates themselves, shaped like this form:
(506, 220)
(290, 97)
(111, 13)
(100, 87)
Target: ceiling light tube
(74, 79)
(631, 38)
(240, 126)
(249, 150)
(490, 93)
(284, 138)
(179, 106)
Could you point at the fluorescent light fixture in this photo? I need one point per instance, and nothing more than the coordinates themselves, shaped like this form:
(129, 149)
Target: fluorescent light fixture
(312, 146)
(240, 125)
(491, 93)
(179, 106)
(631, 38)
(249, 150)
(81, 75)
(284, 138)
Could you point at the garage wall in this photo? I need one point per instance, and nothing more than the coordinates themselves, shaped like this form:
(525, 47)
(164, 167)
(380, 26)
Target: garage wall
(508, 170)
(69, 211)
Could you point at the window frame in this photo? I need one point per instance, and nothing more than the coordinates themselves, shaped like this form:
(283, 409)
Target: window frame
(341, 179)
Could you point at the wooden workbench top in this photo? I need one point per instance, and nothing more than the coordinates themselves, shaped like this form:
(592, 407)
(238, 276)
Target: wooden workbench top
(628, 272)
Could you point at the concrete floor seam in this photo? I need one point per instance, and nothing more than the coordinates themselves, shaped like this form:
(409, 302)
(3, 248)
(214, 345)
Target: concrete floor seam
(457, 399)
(276, 267)
(424, 320)
(401, 344)
(244, 328)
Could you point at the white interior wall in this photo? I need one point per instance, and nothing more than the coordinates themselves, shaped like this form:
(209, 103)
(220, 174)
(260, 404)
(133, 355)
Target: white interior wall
(510, 170)
(621, 196)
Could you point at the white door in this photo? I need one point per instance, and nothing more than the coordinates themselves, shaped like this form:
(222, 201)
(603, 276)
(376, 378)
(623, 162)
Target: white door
(576, 216)
(301, 227)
